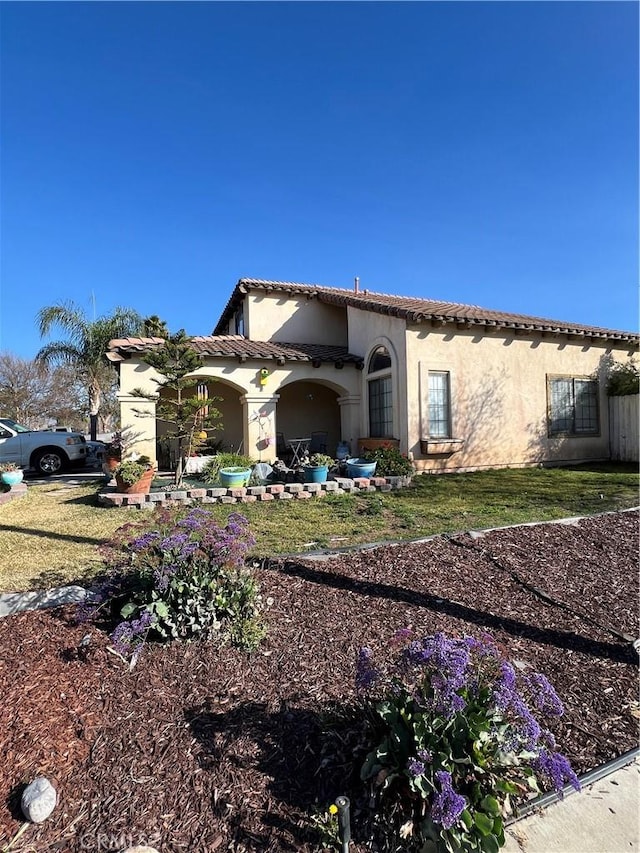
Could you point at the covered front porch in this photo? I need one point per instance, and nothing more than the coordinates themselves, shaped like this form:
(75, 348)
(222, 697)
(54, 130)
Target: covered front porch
(304, 416)
(267, 410)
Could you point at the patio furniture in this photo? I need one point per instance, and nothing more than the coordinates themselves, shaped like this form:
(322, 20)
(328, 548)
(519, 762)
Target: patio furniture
(318, 441)
(299, 447)
(283, 450)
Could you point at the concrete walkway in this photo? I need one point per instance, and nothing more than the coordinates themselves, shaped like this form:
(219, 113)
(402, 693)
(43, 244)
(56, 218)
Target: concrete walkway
(603, 818)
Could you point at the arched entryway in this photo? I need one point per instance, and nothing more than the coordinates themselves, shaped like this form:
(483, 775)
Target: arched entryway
(226, 436)
(305, 407)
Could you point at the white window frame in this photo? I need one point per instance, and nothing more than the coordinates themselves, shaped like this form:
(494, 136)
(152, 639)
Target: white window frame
(386, 374)
(446, 405)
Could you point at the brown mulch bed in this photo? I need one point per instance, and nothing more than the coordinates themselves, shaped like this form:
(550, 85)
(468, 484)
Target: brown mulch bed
(200, 749)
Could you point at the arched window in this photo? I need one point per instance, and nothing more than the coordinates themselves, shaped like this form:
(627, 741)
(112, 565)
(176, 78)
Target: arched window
(380, 394)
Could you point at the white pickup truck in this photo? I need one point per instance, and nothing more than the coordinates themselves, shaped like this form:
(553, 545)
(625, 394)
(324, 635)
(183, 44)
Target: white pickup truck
(45, 452)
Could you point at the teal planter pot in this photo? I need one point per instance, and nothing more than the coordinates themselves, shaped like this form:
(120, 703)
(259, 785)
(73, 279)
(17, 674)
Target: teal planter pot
(11, 478)
(316, 473)
(360, 468)
(233, 478)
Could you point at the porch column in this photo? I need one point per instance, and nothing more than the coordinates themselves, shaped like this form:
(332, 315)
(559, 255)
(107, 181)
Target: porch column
(350, 420)
(259, 426)
(138, 424)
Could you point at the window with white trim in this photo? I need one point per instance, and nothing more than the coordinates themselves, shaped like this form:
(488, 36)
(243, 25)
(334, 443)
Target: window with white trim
(572, 403)
(439, 404)
(380, 394)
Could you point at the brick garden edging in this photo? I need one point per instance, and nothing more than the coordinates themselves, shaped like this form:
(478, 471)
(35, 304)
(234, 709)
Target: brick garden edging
(250, 494)
(17, 491)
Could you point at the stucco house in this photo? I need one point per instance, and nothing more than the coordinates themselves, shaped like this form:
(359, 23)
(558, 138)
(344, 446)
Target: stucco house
(456, 387)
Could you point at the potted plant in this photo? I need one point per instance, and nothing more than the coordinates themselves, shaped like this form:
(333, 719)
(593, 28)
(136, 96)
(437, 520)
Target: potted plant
(10, 474)
(134, 477)
(234, 477)
(359, 467)
(390, 462)
(316, 468)
(113, 452)
(212, 466)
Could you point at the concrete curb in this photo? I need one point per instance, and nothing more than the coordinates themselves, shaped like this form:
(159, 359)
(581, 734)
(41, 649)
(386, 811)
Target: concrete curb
(16, 602)
(602, 818)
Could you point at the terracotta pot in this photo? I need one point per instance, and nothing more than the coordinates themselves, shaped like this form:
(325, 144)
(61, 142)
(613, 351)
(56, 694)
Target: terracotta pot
(111, 463)
(142, 487)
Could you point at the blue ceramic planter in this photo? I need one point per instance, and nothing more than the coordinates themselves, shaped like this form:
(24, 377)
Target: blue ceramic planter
(316, 473)
(11, 478)
(360, 468)
(232, 478)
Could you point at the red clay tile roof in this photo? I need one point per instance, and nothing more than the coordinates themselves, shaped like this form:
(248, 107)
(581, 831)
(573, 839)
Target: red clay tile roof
(235, 346)
(416, 310)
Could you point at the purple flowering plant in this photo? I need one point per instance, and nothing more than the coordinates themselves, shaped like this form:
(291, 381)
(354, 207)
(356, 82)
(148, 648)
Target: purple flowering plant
(461, 735)
(184, 577)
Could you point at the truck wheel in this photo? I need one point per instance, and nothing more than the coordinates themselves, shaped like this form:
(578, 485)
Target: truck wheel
(49, 462)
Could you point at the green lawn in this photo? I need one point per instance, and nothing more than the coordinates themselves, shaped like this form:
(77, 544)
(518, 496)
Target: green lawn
(52, 535)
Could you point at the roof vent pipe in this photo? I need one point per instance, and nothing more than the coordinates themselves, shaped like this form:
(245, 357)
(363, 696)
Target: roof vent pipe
(356, 284)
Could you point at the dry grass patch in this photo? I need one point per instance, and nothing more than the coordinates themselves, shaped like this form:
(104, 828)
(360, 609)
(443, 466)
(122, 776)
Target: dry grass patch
(52, 535)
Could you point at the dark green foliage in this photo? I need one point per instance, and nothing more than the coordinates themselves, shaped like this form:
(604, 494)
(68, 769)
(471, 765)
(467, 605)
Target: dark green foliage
(211, 470)
(154, 327)
(85, 347)
(391, 463)
(624, 379)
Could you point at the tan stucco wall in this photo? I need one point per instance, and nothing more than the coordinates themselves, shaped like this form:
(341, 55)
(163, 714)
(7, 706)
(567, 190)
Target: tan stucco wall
(367, 331)
(499, 395)
(293, 320)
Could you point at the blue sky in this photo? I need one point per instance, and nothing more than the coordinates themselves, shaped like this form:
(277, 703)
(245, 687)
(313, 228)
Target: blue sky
(154, 153)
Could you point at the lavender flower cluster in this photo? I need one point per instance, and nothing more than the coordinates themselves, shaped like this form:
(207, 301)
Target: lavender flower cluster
(129, 635)
(157, 575)
(555, 767)
(366, 673)
(417, 766)
(447, 806)
(458, 704)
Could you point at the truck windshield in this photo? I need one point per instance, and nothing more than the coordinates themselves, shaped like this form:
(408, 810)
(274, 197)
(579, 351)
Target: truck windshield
(14, 425)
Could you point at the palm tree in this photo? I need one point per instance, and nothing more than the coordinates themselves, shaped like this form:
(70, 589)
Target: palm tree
(86, 347)
(154, 327)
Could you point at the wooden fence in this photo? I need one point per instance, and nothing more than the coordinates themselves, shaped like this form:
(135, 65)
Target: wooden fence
(623, 427)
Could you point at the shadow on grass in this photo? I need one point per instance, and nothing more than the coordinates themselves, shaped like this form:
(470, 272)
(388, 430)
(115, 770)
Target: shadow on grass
(48, 534)
(51, 579)
(546, 636)
(84, 500)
